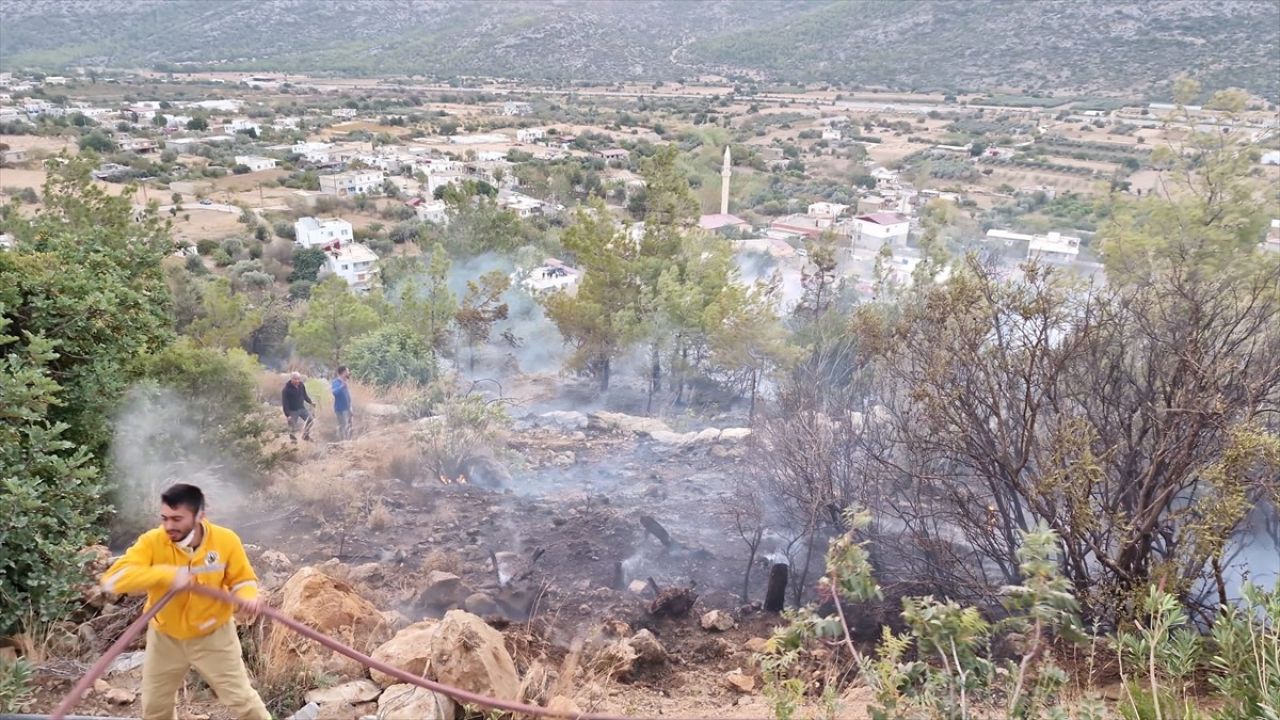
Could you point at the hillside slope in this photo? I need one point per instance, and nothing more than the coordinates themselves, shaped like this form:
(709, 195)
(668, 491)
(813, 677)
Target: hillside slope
(1080, 45)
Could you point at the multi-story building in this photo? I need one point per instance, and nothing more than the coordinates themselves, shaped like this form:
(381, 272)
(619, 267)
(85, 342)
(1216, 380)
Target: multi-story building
(351, 183)
(310, 232)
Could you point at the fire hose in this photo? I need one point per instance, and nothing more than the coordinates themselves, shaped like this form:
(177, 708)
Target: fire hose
(458, 694)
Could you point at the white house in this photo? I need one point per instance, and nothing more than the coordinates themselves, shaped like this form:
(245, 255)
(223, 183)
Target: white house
(310, 232)
(530, 135)
(1271, 158)
(520, 204)
(312, 152)
(884, 228)
(55, 80)
(832, 134)
(352, 262)
(827, 210)
(353, 182)
(551, 276)
(241, 125)
(255, 163)
(435, 211)
(1054, 247)
(344, 113)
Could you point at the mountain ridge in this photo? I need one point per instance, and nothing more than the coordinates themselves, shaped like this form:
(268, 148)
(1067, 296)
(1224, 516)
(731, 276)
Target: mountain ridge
(1051, 45)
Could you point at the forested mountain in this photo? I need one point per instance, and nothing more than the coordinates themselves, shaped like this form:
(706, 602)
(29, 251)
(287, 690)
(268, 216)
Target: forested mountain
(1082, 45)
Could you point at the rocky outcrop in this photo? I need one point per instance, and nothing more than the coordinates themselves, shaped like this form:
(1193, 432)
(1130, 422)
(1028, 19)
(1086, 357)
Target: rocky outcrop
(467, 653)
(409, 650)
(332, 607)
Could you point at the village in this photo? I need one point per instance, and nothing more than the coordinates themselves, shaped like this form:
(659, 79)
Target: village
(344, 162)
(601, 531)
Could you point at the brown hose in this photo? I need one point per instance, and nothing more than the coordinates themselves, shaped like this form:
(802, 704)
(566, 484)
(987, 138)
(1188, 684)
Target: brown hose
(455, 693)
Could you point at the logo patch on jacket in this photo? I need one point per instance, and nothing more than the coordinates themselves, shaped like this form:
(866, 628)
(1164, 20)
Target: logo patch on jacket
(212, 558)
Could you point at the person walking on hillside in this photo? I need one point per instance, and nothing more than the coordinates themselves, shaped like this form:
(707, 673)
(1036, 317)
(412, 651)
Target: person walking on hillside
(294, 400)
(342, 402)
(191, 630)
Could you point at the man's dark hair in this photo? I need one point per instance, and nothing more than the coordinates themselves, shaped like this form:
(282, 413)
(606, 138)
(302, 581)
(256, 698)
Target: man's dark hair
(183, 495)
(342, 369)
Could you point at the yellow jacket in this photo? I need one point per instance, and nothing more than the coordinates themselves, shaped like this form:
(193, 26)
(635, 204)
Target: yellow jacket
(151, 563)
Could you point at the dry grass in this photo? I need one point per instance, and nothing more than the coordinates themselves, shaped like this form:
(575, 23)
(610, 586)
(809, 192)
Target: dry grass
(442, 561)
(380, 517)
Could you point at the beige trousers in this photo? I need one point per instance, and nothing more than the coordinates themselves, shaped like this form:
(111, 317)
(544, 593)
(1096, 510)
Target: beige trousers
(215, 656)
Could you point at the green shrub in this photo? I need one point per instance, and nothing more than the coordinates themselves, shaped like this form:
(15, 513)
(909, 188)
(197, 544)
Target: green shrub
(15, 687)
(306, 263)
(392, 355)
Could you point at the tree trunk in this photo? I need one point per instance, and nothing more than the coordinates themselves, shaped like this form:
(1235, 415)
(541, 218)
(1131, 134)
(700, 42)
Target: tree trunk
(751, 560)
(775, 596)
(604, 375)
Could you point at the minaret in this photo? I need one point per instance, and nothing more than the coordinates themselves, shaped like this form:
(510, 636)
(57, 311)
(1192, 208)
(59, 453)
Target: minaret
(724, 182)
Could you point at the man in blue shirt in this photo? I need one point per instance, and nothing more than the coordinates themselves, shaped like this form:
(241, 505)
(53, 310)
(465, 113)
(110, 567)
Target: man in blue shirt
(342, 402)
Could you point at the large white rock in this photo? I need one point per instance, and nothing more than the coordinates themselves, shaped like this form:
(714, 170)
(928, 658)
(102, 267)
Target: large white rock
(410, 702)
(345, 695)
(408, 651)
(467, 653)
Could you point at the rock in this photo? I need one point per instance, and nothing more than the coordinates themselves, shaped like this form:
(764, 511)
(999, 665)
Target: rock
(734, 434)
(98, 560)
(625, 423)
(395, 620)
(638, 587)
(614, 658)
(562, 704)
(310, 711)
(718, 621)
(125, 662)
(481, 604)
(709, 435)
(370, 573)
(564, 459)
(120, 696)
(443, 590)
(673, 439)
(276, 561)
(332, 607)
(102, 687)
(410, 702)
(740, 681)
(467, 653)
(564, 419)
(755, 645)
(408, 651)
(350, 693)
(648, 649)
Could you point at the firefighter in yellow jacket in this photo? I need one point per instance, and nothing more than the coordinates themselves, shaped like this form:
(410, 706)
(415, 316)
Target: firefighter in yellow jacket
(192, 630)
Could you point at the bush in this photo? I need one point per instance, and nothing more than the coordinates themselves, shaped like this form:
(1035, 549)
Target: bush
(206, 246)
(463, 432)
(232, 246)
(306, 263)
(284, 229)
(196, 416)
(300, 289)
(195, 265)
(392, 355)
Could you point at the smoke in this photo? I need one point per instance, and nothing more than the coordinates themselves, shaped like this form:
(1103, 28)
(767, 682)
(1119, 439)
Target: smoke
(527, 341)
(158, 443)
